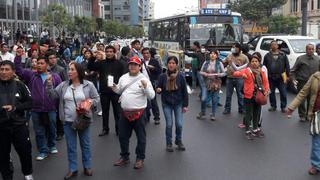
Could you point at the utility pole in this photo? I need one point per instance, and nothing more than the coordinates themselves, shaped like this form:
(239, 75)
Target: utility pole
(304, 10)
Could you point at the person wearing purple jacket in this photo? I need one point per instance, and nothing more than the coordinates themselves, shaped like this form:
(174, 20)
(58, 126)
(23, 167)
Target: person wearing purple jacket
(44, 109)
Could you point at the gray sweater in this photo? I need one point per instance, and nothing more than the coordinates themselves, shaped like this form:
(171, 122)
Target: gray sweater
(304, 67)
(89, 91)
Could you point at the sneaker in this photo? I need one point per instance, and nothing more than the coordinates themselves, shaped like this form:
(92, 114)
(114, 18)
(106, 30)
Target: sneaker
(157, 121)
(180, 146)
(53, 150)
(59, 137)
(313, 171)
(241, 126)
(220, 105)
(41, 156)
(169, 148)
(28, 177)
(283, 110)
(303, 120)
(249, 135)
(212, 117)
(100, 113)
(260, 134)
(201, 115)
(272, 109)
(226, 112)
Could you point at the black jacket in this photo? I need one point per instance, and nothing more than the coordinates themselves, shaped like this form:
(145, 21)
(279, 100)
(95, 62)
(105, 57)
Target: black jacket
(154, 73)
(107, 67)
(275, 70)
(60, 71)
(14, 92)
(179, 96)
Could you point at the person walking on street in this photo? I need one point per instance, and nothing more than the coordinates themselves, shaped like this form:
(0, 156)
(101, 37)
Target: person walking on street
(174, 97)
(212, 71)
(197, 61)
(255, 80)
(70, 94)
(152, 70)
(133, 86)
(311, 89)
(55, 68)
(15, 98)
(108, 68)
(304, 67)
(278, 74)
(240, 60)
(43, 112)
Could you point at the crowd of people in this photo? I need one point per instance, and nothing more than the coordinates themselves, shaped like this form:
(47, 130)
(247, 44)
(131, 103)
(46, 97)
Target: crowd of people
(59, 95)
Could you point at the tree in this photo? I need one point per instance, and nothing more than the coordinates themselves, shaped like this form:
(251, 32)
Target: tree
(84, 24)
(281, 24)
(255, 10)
(55, 16)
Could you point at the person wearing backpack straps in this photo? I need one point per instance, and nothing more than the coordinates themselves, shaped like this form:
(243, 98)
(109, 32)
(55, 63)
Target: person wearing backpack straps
(212, 71)
(255, 79)
(135, 90)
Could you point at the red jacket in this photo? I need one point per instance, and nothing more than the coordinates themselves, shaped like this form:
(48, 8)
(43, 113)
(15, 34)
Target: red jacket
(248, 87)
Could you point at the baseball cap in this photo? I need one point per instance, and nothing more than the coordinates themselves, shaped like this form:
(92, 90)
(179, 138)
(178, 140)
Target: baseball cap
(135, 60)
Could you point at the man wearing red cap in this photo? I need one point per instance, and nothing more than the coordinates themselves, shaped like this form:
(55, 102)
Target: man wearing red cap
(135, 90)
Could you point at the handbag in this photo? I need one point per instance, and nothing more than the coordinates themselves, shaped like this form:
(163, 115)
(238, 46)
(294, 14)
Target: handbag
(315, 124)
(83, 119)
(258, 95)
(214, 84)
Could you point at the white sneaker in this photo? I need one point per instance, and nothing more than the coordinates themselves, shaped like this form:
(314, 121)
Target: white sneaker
(100, 113)
(53, 150)
(28, 177)
(41, 157)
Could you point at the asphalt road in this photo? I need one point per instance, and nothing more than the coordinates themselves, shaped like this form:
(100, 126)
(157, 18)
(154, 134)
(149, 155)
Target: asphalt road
(215, 151)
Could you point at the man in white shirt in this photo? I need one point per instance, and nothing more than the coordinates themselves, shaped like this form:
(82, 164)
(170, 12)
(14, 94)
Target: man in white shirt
(135, 90)
(5, 55)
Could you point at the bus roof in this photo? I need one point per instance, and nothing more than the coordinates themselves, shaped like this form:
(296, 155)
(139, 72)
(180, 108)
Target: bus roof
(190, 14)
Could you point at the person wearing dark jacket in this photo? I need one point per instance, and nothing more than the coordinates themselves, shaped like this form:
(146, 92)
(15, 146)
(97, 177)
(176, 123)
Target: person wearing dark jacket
(44, 109)
(15, 98)
(197, 61)
(152, 70)
(174, 97)
(125, 57)
(89, 75)
(278, 72)
(304, 67)
(55, 68)
(108, 68)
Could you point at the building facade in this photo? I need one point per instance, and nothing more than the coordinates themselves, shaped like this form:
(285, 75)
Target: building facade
(293, 8)
(129, 12)
(148, 14)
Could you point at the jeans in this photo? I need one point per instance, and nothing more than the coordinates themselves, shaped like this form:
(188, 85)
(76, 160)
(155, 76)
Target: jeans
(71, 140)
(45, 134)
(253, 112)
(125, 132)
(195, 73)
(178, 116)
(315, 152)
(19, 137)
(214, 100)
(302, 109)
(231, 84)
(278, 83)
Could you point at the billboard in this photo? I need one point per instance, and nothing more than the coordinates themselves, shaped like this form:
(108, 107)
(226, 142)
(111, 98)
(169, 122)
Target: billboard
(212, 3)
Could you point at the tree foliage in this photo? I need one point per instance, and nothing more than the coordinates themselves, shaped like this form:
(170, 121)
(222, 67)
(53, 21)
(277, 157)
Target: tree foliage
(82, 24)
(281, 24)
(115, 28)
(255, 10)
(56, 15)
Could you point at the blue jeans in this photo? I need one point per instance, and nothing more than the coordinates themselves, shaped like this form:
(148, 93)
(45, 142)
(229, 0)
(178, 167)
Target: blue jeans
(71, 139)
(278, 83)
(315, 152)
(214, 100)
(45, 134)
(231, 84)
(168, 111)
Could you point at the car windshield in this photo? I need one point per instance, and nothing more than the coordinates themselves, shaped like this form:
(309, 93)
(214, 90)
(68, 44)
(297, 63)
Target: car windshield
(215, 34)
(299, 45)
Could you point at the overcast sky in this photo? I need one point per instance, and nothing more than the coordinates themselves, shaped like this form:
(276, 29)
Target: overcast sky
(164, 8)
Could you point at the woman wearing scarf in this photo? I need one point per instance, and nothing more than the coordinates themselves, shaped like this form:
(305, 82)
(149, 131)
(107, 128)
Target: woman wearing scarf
(212, 71)
(255, 80)
(174, 97)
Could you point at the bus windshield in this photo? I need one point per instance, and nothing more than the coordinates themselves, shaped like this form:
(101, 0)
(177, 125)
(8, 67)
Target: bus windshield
(217, 34)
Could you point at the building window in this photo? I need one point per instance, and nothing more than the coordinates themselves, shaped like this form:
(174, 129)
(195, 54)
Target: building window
(318, 7)
(294, 5)
(312, 4)
(107, 7)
